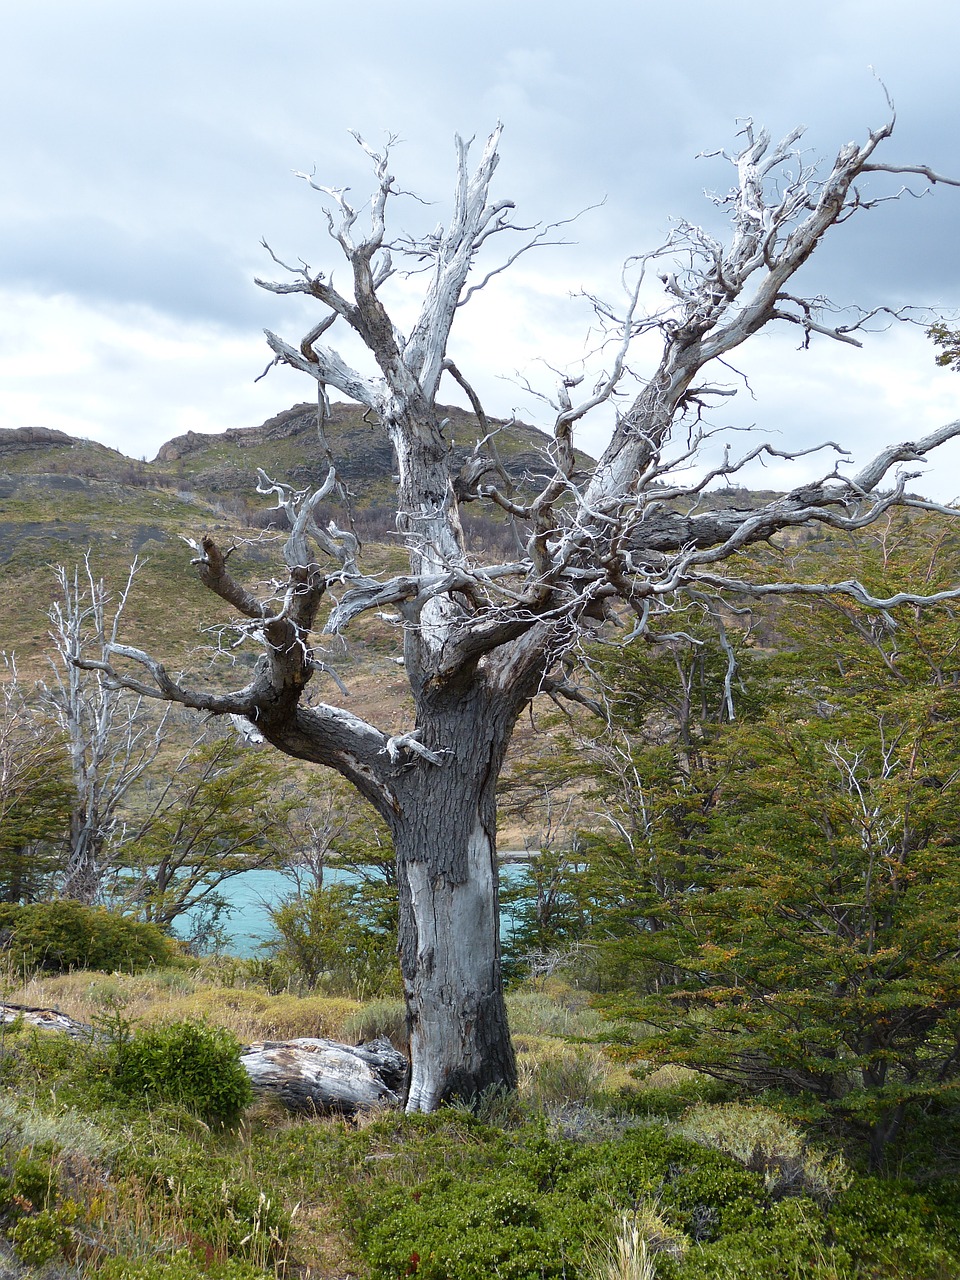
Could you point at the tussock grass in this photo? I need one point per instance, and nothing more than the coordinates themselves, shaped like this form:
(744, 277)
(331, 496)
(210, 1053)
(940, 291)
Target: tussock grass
(23, 1126)
(255, 1015)
(168, 995)
(768, 1144)
(565, 1014)
(378, 1018)
(553, 1073)
(641, 1236)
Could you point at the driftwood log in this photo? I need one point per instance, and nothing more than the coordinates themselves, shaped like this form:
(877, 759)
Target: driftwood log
(45, 1019)
(314, 1076)
(311, 1076)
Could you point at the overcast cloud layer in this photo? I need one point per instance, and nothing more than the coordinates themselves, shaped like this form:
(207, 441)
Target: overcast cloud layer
(147, 149)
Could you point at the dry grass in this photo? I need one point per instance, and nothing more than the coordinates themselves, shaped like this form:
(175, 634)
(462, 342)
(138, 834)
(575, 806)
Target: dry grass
(555, 1073)
(640, 1236)
(173, 994)
(769, 1144)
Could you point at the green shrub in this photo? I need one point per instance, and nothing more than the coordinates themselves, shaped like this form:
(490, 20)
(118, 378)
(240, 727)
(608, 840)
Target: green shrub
(670, 1102)
(45, 1235)
(178, 1266)
(499, 1226)
(188, 1063)
(201, 1189)
(894, 1229)
(341, 938)
(59, 936)
(33, 1181)
(790, 1242)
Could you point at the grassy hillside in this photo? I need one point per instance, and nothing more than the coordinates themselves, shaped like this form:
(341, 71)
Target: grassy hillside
(60, 497)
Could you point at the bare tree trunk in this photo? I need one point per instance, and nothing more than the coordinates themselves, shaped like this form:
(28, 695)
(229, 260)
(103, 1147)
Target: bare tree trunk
(445, 840)
(84, 870)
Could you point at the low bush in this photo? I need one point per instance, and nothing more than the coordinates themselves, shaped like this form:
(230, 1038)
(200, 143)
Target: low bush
(46, 1235)
(501, 1226)
(896, 1230)
(198, 1191)
(560, 1013)
(60, 936)
(188, 1063)
(770, 1145)
(178, 1266)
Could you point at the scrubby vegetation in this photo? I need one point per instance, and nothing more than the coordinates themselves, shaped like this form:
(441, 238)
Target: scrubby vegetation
(110, 1166)
(734, 995)
(59, 936)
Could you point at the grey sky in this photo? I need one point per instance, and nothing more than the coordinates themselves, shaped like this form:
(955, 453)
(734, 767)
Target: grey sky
(146, 149)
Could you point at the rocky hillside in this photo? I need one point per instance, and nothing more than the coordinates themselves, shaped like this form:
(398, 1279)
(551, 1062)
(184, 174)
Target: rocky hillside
(61, 497)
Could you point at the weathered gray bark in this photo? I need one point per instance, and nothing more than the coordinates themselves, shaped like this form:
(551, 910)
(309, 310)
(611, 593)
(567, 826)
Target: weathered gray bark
(481, 640)
(445, 841)
(314, 1076)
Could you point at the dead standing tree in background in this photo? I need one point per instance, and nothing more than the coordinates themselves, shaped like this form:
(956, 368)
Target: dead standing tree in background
(109, 744)
(481, 640)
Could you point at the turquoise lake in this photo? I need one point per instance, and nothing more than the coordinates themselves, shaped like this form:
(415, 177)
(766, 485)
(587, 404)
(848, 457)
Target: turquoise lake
(252, 893)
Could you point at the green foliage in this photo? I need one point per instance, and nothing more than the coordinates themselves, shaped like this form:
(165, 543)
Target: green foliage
(33, 1179)
(45, 1235)
(948, 340)
(35, 796)
(785, 892)
(548, 905)
(895, 1229)
(340, 937)
(178, 1266)
(449, 1195)
(219, 815)
(500, 1225)
(59, 936)
(187, 1063)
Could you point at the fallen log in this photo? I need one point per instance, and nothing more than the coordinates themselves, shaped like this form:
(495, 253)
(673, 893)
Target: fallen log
(45, 1019)
(314, 1076)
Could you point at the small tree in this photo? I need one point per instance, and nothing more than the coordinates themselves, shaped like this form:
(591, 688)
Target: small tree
(809, 941)
(217, 816)
(482, 638)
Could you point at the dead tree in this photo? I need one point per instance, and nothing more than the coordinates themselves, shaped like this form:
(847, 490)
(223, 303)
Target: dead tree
(109, 743)
(480, 640)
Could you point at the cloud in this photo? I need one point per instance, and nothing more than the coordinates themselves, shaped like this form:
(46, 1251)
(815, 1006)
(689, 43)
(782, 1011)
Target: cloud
(103, 262)
(154, 147)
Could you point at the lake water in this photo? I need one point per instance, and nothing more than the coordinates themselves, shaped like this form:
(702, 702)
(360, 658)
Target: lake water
(252, 893)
